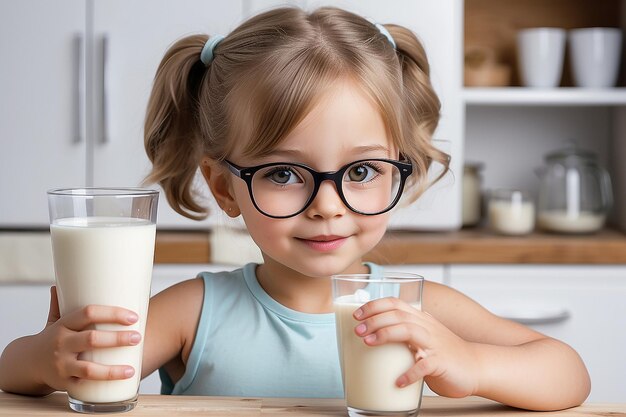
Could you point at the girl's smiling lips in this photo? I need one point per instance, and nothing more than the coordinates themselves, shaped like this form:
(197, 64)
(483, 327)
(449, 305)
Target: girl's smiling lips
(324, 243)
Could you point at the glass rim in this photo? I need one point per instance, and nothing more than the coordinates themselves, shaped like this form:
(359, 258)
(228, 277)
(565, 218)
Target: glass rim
(103, 191)
(392, 277)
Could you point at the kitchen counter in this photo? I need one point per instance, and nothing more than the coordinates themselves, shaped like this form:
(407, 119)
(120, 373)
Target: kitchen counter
(468, 246)
(165, 405)
(26, 256)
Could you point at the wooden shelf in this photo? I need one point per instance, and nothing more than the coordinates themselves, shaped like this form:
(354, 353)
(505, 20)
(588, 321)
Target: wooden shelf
(182, 248)
(471, 246)
(562, 96)
(482, 247)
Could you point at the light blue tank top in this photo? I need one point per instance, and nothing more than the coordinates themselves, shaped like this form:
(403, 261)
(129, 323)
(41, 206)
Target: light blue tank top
(249, 345)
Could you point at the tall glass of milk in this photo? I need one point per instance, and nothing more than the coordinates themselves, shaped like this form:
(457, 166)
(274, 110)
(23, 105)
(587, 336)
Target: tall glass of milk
(370, 372)
(103, 248)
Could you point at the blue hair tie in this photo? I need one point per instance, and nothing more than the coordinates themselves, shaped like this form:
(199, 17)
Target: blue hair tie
(206, 56)
(385, 32)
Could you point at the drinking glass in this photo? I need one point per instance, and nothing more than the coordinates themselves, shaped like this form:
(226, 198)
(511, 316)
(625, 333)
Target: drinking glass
(511, 212)
(370, 372)
(103, 249)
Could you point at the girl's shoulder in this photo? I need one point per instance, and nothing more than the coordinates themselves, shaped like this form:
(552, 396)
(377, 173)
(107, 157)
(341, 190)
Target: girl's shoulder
(172, 316)
(193, 289)
(187, 297)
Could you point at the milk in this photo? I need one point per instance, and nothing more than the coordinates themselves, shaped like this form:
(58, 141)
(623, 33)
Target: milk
(108, 261)
(370, 372)
(512, 218)
(579, 222)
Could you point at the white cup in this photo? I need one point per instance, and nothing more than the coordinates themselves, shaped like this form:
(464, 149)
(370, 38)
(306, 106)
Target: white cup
(540, 56)
(595, 56)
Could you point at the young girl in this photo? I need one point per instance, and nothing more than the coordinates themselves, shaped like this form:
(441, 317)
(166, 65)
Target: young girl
(306, 125)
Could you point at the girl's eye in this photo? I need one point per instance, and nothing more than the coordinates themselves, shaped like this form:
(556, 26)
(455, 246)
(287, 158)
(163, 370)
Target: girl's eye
(361, 173)
(283, 176)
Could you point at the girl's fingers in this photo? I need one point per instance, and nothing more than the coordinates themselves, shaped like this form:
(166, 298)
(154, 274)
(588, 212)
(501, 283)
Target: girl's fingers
(415, 336)
(409, 333)
(92, 339)
(385, 319)
(81, 318)
(95, 371)
(382, 305)
(423, 367)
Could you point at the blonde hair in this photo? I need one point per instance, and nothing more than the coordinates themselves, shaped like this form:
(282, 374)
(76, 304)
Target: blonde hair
(265, 78)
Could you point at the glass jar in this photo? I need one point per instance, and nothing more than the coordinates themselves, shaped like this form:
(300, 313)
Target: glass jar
(574, 193)
(511, 212)
(472, 195)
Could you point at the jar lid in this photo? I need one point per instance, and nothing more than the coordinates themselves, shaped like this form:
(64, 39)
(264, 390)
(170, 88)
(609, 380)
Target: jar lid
(473, 167)
(571, 152)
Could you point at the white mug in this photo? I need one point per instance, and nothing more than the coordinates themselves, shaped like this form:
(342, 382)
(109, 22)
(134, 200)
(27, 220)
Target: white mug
(540, 56)
(595, 56)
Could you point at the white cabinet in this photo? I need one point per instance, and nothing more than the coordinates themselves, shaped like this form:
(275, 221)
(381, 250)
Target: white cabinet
(580, 305)
(129, 40)
(75, 81)
(42, 130)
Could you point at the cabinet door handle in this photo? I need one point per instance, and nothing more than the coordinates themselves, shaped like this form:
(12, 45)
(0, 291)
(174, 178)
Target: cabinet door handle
(104, 134)
(80, 99)
(539, 316)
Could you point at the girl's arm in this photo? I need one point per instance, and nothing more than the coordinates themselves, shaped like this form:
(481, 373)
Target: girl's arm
(48, 361)
(173, 317)
(462, 349)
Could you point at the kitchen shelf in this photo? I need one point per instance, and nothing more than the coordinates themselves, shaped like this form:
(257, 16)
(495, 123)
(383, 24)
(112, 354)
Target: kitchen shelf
(562, 96)
(182, 247)
(468, 246)
(479, 246)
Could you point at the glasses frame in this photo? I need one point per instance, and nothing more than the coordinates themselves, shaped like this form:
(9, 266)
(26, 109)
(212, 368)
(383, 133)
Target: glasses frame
(246, 174)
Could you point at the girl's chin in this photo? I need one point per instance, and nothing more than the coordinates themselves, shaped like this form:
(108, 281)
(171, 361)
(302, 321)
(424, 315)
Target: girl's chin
(326, 267)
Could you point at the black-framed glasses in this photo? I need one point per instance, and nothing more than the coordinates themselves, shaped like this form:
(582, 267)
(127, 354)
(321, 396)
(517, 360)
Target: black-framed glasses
(284, 189)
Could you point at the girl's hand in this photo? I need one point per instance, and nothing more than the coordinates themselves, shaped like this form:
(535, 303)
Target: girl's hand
(445, 361)
(64, 339)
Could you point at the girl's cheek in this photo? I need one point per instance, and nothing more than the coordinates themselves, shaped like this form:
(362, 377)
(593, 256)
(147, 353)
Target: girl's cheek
(375, 227)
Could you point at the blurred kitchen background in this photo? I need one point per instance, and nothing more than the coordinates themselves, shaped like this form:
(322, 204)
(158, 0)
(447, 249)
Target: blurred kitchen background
(74, 82)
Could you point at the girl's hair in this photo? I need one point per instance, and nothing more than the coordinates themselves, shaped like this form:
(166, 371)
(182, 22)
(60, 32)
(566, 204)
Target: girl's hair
(266, 76)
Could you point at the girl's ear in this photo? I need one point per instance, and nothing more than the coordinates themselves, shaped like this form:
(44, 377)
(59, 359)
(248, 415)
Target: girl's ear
(221, 187)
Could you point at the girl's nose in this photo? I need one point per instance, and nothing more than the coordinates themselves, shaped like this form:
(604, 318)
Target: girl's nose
(327, 203)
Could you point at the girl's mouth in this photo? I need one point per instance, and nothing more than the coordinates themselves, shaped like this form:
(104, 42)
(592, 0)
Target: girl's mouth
(324, 243)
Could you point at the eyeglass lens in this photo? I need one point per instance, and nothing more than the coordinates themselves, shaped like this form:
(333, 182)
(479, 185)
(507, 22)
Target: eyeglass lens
(368, 187)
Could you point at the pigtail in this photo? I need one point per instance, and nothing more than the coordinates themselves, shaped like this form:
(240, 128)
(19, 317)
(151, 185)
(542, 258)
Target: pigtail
(422, 104)
(171, 135)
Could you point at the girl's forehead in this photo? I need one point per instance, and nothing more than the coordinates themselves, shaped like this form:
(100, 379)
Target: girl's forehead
(339, 122)
(342, 117)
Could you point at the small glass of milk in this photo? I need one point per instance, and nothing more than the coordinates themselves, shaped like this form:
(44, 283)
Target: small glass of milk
(370, 372)
(511, 212)
(103, 247)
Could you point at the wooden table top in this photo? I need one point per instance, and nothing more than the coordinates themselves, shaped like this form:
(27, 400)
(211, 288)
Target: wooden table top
(174, 405)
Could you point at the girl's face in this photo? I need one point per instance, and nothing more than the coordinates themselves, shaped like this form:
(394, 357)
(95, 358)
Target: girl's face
(326, 238)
